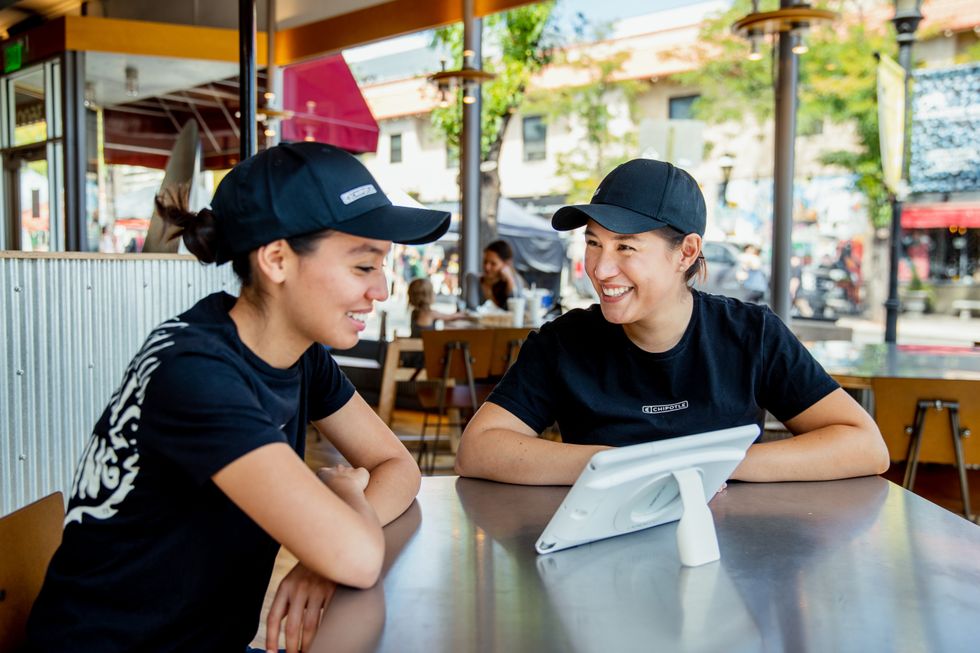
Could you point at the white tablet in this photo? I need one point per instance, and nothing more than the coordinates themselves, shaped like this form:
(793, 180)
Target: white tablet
(631, 488)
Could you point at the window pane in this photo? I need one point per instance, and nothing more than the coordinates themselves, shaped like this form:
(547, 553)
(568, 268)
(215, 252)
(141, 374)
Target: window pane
(682, 108)
(535, 138)
(396, 148)
(30, 125)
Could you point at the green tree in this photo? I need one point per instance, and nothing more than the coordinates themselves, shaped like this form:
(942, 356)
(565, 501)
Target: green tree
(837, 82)
(521, 42)
(592, 106)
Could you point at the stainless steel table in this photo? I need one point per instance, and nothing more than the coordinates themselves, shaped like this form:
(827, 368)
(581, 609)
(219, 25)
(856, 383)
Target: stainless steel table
(854, 365)
(856, 565)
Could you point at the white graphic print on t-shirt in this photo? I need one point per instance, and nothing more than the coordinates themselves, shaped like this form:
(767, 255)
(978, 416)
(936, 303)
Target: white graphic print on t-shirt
(108, 469)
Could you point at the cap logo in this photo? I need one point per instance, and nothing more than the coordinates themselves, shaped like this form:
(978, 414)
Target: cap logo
(355, 194)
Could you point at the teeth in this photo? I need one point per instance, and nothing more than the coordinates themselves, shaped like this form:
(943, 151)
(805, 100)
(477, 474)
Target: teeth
(360, 317)
(616, 292)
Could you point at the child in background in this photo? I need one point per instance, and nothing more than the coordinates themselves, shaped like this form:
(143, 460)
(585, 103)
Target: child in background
(421, 296)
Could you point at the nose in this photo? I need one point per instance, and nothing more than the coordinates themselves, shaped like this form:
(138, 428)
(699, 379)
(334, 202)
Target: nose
(378, 291)
(604, 266)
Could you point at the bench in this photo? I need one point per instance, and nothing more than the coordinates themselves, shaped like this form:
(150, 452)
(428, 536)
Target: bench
(965, 307)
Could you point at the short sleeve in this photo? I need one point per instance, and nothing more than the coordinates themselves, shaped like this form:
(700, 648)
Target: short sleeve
(202, 413)
(329, 387)
(528, 389)
(791, 380)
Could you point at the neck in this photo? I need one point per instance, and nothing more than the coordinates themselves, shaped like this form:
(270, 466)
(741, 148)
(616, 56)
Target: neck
(266, 333)
(664, 328)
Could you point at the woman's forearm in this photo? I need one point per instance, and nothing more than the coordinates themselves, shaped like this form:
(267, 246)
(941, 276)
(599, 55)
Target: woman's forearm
(831, 452)
(509, 457)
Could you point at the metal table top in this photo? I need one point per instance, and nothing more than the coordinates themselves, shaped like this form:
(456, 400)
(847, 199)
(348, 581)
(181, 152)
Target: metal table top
(858, 565)
(845, 358)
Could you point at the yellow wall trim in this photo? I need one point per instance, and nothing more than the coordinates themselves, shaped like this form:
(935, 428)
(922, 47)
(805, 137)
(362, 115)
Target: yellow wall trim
(156, 39)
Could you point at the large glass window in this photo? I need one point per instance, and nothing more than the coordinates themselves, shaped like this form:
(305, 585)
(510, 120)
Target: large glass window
(31, 150)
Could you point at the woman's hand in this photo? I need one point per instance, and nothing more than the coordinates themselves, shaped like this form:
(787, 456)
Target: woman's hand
(336, 476)
(300, 599)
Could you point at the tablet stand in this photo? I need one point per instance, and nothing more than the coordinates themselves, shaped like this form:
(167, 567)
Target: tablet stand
(697, 542)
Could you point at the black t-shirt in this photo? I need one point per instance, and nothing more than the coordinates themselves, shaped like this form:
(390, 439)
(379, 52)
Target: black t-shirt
(734, 362)
(155, 557)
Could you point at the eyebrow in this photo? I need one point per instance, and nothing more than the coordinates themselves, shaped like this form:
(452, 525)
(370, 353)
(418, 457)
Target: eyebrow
(368, 248)
(589, 232)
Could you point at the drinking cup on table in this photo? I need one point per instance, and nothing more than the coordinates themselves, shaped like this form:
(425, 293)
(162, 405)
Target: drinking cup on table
(515, 306)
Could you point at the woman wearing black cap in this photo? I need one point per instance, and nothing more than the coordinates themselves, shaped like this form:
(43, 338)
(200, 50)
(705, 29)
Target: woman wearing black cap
(194, 474)
(657, 359)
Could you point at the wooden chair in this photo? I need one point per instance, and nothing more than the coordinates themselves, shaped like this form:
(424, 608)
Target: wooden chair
(507, 344)
(909, 413)
(454, 360)
(28, 539)
(392, 372)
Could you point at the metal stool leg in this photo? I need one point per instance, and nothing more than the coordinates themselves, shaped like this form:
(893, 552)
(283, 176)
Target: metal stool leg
(954, 426)
(915, 441)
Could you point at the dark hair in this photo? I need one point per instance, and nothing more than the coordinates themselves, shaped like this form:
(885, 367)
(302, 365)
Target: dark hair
(201, 237)
(674, 239)
(502, 249)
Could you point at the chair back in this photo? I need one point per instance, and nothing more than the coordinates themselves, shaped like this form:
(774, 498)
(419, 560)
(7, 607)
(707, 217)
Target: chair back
(28, 539)
(442, 346)
(895, 402)
(507, 342)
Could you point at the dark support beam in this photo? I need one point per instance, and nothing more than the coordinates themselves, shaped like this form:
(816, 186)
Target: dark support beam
(785, 163)
(246, 75)
(73, 110)
(469, 164)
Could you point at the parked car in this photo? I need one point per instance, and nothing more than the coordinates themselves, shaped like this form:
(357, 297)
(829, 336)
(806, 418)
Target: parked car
(727, 275)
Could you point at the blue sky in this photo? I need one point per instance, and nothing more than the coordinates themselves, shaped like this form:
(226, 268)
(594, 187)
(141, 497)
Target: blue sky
(597, 12)
(610, 10)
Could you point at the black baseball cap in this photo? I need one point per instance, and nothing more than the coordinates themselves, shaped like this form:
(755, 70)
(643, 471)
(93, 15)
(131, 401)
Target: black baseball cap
(640, 195)
(293, 189)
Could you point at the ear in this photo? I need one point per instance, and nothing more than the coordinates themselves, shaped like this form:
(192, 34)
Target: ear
(274, 259)
(690, 250)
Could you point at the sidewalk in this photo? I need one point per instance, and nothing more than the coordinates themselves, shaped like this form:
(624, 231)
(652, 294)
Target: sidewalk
(918, 330)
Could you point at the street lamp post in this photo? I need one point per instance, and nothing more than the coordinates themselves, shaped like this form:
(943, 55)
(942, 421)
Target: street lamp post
(906, 21)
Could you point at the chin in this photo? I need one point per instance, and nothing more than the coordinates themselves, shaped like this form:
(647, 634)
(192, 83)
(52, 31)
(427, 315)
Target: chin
(612, 315)
(340, 341)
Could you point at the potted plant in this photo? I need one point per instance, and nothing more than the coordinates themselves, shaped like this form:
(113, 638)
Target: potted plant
(917, 294)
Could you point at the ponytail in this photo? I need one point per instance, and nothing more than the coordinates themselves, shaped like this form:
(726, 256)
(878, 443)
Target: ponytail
(196, 229)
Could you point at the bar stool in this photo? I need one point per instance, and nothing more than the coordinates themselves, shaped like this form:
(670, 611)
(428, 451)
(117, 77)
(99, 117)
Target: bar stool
(454, 361)
(929, 440)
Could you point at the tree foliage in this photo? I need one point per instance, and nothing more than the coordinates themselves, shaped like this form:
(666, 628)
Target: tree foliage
(521, 41)
(837, 82)
(591, 107)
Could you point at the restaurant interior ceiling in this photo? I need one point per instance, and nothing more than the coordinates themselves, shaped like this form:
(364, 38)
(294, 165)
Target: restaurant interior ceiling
(307, 28)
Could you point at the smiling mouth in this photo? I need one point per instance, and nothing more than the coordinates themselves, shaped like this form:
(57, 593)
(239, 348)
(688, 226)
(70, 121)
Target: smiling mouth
(614, 293)
(358, 317)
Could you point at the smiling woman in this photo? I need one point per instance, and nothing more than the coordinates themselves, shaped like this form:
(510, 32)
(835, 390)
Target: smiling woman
(194, 475)
(657, 359)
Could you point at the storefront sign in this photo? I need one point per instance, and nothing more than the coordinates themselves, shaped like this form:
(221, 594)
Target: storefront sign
(13, 56)
(945, 123)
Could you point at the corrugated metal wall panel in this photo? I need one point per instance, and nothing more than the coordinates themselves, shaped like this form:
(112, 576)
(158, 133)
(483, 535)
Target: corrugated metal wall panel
(70, 325)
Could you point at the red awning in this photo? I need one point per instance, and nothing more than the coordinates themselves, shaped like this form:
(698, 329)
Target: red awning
(941, 216)
(327, 106)
(322, 95)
